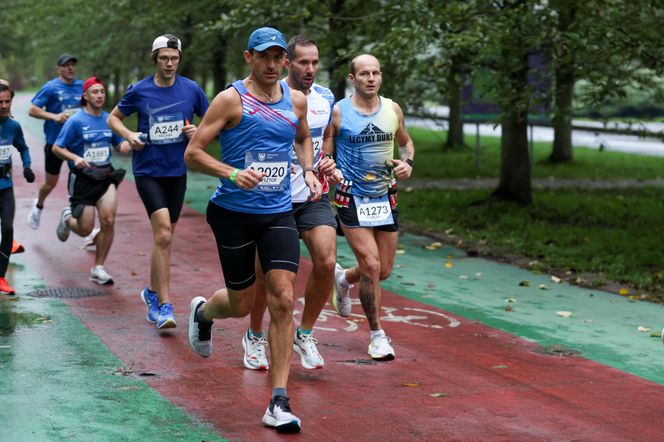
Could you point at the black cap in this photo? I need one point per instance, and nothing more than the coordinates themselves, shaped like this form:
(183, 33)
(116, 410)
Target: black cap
(64, 58)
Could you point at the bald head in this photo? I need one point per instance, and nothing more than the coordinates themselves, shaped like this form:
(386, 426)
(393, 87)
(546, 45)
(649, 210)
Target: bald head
(363, 59)
(3, 81)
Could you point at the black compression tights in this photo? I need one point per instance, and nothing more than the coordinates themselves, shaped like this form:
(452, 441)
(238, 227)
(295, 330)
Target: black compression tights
(7, 209)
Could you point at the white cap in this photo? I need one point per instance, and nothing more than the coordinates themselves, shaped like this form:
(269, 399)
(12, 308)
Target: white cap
(167, 41)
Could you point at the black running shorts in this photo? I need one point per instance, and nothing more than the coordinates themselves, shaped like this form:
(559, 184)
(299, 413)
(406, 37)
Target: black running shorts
(348, 218)
(240, 235)
(313, 214)
(52, 164)
(84, 191)
(162, 192)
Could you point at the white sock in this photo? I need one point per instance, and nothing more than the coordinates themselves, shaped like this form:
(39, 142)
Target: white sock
(377, 333)
(342, 279)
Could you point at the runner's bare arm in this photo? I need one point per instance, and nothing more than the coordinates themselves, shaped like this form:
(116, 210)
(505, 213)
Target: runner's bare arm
(224, 112)
(403, 170)
(303, 146)
(42, 114)
(115, 122)
(67, 155)
(331, 131)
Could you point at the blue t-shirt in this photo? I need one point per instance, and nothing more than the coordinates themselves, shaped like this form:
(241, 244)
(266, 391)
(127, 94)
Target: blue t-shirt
(162, 112)
(262, 141)
(56, 96)
(11, 134)
(88, 136)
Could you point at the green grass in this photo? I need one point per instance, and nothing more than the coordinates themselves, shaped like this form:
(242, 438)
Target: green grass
(432, 163)
(613, 234)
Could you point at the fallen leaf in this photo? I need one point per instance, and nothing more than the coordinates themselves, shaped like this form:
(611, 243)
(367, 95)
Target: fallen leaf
(508, 308)
(564, 314)
(511, 300)
(400, 251)
(634, 297)
(478, 275)
(408, 189)
(623, 291)
(449, 231)
(643, 329)
(499, 367)
(655, 335)
(588, 321)
(436, 244)
(556, 279)
(410, 384)
(543, 287)
(430, 247)
(134, 273)
(438, 394)
(448, 264)
(463, 276)
(524, 284)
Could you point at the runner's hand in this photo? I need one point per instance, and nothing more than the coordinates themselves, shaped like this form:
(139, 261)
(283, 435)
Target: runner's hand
(134, 141)
(327, 166)
(188, 129)
(402, 170)
(60, 118)
(335, 178)
(124, 147)
(29, 175)
(247, 179)
(315, 188)
(80, 163)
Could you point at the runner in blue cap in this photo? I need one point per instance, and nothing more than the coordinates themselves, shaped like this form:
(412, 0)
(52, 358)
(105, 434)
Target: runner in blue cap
(259, 120)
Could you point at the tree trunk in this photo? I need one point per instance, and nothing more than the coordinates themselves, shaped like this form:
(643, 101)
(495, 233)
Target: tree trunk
(219, 64)
(564, 88)
(514, 184)
(562, 119)
(339, 65)
(188, 68)
(455, 130)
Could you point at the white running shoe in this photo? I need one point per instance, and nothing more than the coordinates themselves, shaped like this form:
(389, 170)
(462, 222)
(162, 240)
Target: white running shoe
(63, 229)
(99, 275)
(380, 349)
(254, 352)
(279, 416)
(200, 334)
(90, 239)
(34, 216)
(305, 346)
(341, 296)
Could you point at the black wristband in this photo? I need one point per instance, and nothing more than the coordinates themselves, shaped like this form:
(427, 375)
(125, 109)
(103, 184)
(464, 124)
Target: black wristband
(410, 162)
(329, 155)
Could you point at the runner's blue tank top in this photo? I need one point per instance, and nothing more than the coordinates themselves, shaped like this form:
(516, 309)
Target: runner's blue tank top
(262, 140)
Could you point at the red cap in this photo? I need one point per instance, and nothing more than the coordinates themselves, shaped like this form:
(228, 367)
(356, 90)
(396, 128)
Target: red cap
(88, 84)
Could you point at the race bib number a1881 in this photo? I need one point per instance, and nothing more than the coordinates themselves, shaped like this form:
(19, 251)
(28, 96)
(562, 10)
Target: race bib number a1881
(96, 153)
(275, 167)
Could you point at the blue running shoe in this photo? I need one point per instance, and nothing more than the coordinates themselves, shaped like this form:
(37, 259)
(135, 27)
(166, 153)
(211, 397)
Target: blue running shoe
(166, 319)
(152, 302)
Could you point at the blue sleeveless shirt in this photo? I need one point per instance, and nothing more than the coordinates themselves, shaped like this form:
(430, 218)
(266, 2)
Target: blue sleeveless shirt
(262, 140)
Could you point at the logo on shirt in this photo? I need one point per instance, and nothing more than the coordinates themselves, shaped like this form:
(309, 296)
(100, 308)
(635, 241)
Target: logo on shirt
(371, 134)
(86, 127)
(154, 110)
